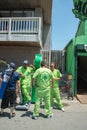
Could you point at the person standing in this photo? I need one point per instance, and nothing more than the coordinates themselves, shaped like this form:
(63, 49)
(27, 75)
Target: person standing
(25, 81)
(55, 92)
(9, 97)
(42, 80)
(33, 95)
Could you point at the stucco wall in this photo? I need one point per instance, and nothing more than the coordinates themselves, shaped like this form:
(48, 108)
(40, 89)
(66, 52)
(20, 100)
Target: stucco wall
(18, 54)
(47, 37)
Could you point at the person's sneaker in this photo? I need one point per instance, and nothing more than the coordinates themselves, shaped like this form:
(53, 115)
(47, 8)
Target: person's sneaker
(49, 116)
(2, 114)
(35, 117)
(51, 108)
(55, 107)
(62, 109)
(28, 103)
(11, 115)
(21, 103)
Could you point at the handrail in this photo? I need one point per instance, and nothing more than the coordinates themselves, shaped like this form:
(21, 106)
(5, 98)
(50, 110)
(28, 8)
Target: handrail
(25, 25)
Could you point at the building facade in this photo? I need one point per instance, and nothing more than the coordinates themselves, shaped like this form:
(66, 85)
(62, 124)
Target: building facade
(25, 29)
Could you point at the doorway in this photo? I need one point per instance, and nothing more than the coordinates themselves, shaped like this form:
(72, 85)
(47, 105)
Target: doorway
(82, 75)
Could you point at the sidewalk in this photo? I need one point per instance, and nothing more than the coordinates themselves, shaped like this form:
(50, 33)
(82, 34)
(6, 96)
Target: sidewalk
(74, 118)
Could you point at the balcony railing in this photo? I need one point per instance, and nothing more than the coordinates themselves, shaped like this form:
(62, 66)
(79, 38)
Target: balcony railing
(23, 26)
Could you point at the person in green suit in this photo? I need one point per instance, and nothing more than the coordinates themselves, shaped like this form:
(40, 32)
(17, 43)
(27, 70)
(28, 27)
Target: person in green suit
(55, 93)
(25, 81)
(43, 79)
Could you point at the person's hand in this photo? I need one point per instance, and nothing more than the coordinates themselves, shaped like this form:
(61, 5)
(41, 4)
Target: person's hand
(22, 75)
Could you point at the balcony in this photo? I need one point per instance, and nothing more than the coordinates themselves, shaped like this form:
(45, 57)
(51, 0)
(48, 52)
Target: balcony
(21, 29)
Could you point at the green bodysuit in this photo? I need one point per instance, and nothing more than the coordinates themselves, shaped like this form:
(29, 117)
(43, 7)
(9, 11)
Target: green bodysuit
(25, 83)
(55, 93)
(43, 78)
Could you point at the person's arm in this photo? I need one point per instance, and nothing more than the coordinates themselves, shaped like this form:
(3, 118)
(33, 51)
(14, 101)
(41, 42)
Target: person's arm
(57, 78)
(19, 71)
(59, 75)
(34, 77)
(22, 75)
(18, 86)
(0, 81)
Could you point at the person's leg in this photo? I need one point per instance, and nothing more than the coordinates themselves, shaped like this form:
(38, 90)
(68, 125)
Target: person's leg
(37, 104)
(12, 100)
(47, 103)
(4, 102)
(37, 107)
(58, 98)
(2, 111)
(25, 92)
(33, 94)
(52, 97)
(12, 113)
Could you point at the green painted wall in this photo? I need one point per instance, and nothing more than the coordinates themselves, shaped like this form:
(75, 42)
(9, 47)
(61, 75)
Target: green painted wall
(71, 54)
(70, 61)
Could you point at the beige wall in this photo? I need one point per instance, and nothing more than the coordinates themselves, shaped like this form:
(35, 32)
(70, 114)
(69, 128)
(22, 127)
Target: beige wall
(47, 37)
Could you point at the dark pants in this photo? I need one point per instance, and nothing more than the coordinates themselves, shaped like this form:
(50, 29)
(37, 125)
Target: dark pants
(9, 98)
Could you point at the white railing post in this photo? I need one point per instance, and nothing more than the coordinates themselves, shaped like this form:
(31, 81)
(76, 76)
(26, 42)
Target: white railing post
(9, 30)
(15, 27)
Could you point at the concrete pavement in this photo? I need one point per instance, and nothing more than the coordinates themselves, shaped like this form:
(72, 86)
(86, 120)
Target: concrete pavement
(74, 118)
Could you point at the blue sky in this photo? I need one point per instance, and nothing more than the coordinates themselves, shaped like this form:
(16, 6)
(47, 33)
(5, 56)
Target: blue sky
(64, 23)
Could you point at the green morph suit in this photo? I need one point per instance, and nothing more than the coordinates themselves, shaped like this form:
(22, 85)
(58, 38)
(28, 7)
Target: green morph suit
(55, 90)
(25, 83)
(43, 78)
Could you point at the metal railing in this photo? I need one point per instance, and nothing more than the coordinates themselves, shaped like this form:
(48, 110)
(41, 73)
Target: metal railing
(29, 25)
